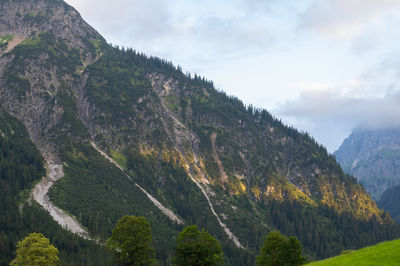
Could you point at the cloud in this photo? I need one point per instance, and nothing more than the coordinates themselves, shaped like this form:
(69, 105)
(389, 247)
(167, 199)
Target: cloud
(202, 29)
(347, 19)
(331, 118)
(370, 112)
(330, 111)
(149, 19)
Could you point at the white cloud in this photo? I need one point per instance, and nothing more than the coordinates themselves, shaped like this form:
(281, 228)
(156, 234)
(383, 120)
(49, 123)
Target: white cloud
(331, 111)
(204, 30)
(127, 19)
(347, 19)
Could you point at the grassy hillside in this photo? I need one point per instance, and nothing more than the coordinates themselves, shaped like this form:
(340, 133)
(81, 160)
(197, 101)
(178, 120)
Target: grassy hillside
(385, 253)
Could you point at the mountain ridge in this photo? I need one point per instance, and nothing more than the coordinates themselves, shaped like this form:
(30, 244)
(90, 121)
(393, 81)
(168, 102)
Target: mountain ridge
(202, 154)
(373, 156)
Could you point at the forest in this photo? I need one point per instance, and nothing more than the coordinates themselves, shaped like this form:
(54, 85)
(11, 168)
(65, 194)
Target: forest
(169, 131)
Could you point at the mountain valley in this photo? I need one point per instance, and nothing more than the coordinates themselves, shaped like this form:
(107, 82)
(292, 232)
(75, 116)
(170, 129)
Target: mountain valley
(122, 133)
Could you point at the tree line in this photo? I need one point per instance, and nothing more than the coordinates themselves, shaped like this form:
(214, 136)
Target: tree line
(131, 244)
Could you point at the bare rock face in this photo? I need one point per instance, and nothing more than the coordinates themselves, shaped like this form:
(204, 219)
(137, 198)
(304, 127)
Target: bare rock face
(26, 18)
(30, 82)
(373, 156)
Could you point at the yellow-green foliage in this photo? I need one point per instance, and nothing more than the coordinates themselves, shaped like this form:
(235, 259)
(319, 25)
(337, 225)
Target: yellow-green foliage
(6, 38)
(385, 253)
(356, 200)
(31, 41)
(236, 187)
(172, 103)
(364, 204)
(119, 158)
(36, 249)
(297, 194)
(4, 41)
(97, 43)
(281, 190)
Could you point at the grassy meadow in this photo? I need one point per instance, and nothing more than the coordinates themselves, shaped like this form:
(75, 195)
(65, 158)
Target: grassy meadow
(385, 253)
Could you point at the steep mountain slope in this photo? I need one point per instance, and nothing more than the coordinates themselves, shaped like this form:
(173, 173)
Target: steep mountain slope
(179, 148)
(390, 201)
(373, 156)
(20, 166)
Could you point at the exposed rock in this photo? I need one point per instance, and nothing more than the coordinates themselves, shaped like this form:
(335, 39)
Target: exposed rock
(373, 157)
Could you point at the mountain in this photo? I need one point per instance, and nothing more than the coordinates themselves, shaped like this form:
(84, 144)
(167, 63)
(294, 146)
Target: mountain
(20, 165)
(122, 133)
(390, 201)
(373, 156)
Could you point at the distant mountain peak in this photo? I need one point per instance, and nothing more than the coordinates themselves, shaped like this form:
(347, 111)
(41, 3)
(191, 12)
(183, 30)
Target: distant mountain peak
(373, 156)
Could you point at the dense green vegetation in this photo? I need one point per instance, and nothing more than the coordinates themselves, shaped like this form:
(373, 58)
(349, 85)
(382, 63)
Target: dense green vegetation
(4, 40)
(278, 250)
(197, 248)
(171, 185)
(99, 194)
(164, 127)
(112, 195)
(20, 166)
(130, 242)
(386, 253)
(117, 87)
(323, 231)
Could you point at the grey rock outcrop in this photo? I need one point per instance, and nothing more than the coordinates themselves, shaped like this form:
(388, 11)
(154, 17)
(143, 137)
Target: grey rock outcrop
(373, 157)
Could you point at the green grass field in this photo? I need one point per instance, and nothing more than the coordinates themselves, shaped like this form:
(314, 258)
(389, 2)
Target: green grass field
(385, 253)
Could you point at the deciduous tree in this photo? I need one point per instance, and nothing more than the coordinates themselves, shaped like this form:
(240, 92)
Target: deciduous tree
(278, 250)
(197, 248)
(35, 249)
(131, 241)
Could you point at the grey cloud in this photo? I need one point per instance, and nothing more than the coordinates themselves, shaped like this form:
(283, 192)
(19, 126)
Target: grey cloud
(373, 112)
(330, 117)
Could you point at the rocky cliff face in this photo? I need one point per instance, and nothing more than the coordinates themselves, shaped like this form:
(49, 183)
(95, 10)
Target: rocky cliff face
(29, 71)
(373, 157)
(27, 18)
(174, 144)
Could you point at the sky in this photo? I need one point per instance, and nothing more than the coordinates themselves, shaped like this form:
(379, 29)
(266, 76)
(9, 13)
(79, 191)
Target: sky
(323, 66)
